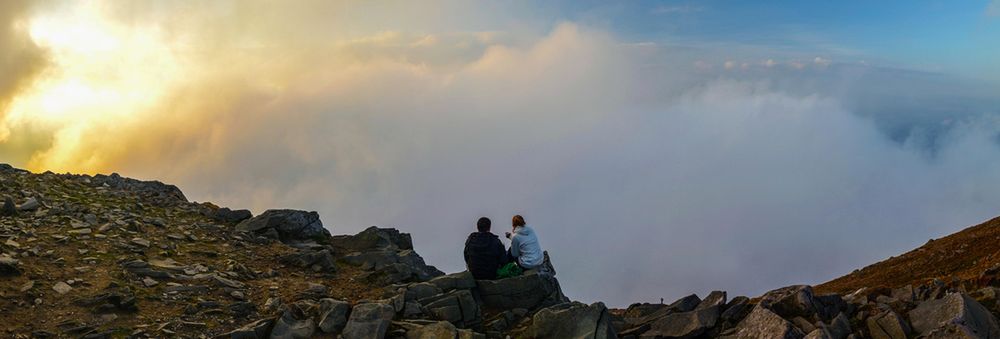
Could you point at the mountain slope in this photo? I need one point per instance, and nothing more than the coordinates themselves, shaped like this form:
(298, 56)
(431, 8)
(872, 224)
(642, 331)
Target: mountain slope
(970, 256)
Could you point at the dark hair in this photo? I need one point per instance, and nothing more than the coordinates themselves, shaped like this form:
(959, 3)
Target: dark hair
(483, 225)
(518, 221)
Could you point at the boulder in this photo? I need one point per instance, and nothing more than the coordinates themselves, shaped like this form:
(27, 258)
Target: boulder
(637, 310)
(819, 333)
(9, 266)
(317, 261)
(294, 323)
(256, 330)
(8, 209)
(227, 215)
(368, 321)
(421, 290)
(906, 294)
(792, 301)
(30, 205)
(715, 299)
(887, 325)
(437, 330)
(373, 238)
(957, 311)
(529, 291)
(736, 310)
(333, 315)
(952, 331)
(763, 323)
(461, 280)
(684, 324)
(840, 326)
(571, 320)
(685, 304)
(290, 225)
(457, 307)
(391, 266)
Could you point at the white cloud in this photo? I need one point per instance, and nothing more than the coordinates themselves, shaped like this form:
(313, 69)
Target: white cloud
(821, 62)
(643, 180)
(993, 9)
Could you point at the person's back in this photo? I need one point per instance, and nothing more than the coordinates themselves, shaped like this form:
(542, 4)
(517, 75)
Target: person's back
(524, 245)
(484, 253)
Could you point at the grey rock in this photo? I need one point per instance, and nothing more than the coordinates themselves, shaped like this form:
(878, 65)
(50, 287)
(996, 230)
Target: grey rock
(242, 309)
(792, 301)
(436, 330)
(314, 291)
(290, 225)
(572, 320)
(819, 333)
(952, 331)
(803, 324)
(373, 238)
(228, 282)
(231, 216)
(61, 288)
(714, 299)
(736, 310)
(460, 280)
(840, 326)
(763, 323)
(294, 323)
(458, 307)
(422, 290)
(8, 209)
(333, 315)
(256, 330)
(887, 325)
(906, 293)
(9, 266)
(141, 242)
(685, 304)
(412, 309)
(954, 309)
(368, 321)
(318, 261)
(530, 291)
(685, 324)
(30, 205)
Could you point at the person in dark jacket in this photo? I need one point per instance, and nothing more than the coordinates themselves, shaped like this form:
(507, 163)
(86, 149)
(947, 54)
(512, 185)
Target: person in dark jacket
(484, 253)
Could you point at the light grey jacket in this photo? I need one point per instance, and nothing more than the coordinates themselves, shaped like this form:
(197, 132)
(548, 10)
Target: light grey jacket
(524, 246)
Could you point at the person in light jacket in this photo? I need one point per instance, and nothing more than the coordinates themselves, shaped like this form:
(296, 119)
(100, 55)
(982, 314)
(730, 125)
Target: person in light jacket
(524, 246)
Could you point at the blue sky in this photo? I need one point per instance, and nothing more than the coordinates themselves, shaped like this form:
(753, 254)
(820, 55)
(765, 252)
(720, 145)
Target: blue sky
(958, 37)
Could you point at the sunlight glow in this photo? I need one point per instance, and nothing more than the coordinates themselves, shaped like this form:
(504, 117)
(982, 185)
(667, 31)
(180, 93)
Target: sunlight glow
(100, 75)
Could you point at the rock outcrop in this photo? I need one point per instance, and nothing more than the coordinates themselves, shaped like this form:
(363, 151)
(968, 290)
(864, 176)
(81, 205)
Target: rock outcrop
(286, 225)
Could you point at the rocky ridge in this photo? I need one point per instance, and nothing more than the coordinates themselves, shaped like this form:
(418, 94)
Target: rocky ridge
(111, 257)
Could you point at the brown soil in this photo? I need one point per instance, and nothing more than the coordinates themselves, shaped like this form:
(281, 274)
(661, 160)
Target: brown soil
(965, 255)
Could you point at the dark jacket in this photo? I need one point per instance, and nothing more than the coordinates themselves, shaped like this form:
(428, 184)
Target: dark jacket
(484, 254)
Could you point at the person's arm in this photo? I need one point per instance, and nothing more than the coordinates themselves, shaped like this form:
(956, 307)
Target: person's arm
(466, 252)
(515, 246)
(501, 253)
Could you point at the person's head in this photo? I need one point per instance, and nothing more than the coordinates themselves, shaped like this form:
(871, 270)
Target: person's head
(517, 221)
(483, 225)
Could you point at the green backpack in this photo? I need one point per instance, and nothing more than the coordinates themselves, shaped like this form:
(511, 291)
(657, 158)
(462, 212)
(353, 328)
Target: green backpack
(509, 270)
